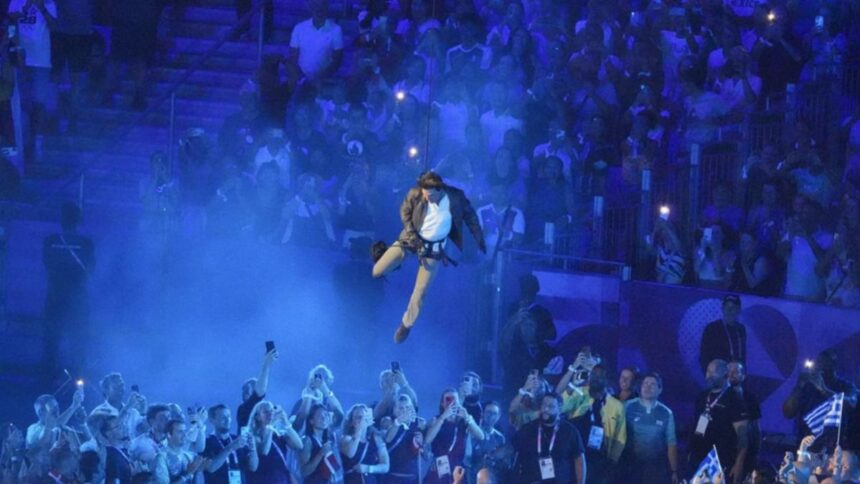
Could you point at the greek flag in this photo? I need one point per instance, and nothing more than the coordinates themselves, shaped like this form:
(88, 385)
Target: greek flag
(828, 414)
(710, 468)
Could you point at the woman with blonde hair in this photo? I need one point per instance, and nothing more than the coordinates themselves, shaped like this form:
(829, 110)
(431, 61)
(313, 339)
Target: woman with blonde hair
(362, 448)
(276, 440)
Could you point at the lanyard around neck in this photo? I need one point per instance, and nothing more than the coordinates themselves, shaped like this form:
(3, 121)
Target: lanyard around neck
(709, 405)
(551, 440)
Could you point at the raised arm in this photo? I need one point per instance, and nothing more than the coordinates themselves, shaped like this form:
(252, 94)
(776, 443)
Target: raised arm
(261, 386)
(77, 401)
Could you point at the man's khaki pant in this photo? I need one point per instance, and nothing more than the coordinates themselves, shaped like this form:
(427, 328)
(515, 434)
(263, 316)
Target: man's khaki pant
(427, 268)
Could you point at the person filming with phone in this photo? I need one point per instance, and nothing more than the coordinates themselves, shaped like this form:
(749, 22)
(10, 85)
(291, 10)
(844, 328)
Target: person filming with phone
(254, 389)
(229, 456)
(318, 391)
(817, 382)
(405, 441)
(447, 437)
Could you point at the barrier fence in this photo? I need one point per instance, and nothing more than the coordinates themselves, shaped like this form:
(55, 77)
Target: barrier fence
(688, 184)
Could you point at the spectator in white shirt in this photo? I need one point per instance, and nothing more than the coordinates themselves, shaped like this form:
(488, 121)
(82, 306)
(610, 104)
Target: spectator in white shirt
(277, 150)
(411, 29)
(502, 223)
(737, 86)
(499, 119)
(113, 389)
(317, 43)
(45, 432)
(803, 247)
(35, 19)
(468, 54)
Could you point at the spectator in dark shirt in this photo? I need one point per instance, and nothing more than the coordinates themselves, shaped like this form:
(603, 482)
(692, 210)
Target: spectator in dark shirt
(448, 435)
(755, 271)
(524, 345)
(117, 462)
(737, 376)
(721, 421)
(549, 449)
(778, 55)
(469, 392)
(550, 200)
(404, 439)
(254, 391)
(228, 455)
(725, 338)
(275, 440)
(817, 382)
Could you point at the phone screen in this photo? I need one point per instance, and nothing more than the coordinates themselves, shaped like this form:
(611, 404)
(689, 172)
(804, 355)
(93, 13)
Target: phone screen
(270, 345)
(395, 366)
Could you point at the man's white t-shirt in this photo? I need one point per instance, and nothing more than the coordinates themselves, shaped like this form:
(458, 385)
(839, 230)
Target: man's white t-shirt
(33, 32)
(36, 432)
(800, 277)
(316, 46)
(437, 220)
(282, 158)
(494, 127)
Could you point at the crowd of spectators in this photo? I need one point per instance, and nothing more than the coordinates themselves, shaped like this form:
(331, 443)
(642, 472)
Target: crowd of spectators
(532, 108)
(565, 426)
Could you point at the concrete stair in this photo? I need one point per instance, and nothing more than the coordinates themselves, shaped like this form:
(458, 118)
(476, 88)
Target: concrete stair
(207, 97)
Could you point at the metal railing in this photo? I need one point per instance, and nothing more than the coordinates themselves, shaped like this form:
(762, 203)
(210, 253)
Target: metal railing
(122, 132)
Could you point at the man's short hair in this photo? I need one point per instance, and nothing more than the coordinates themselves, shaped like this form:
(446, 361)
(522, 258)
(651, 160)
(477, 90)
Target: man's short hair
(430, 180)
(477, 377)
(172, 424)
(42, 401)
(656, 376)
(214, 409)
(105, 381)
(493, 402)
(153, 410)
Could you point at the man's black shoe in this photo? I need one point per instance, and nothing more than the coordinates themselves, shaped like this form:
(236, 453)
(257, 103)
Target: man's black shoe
(401, 334)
